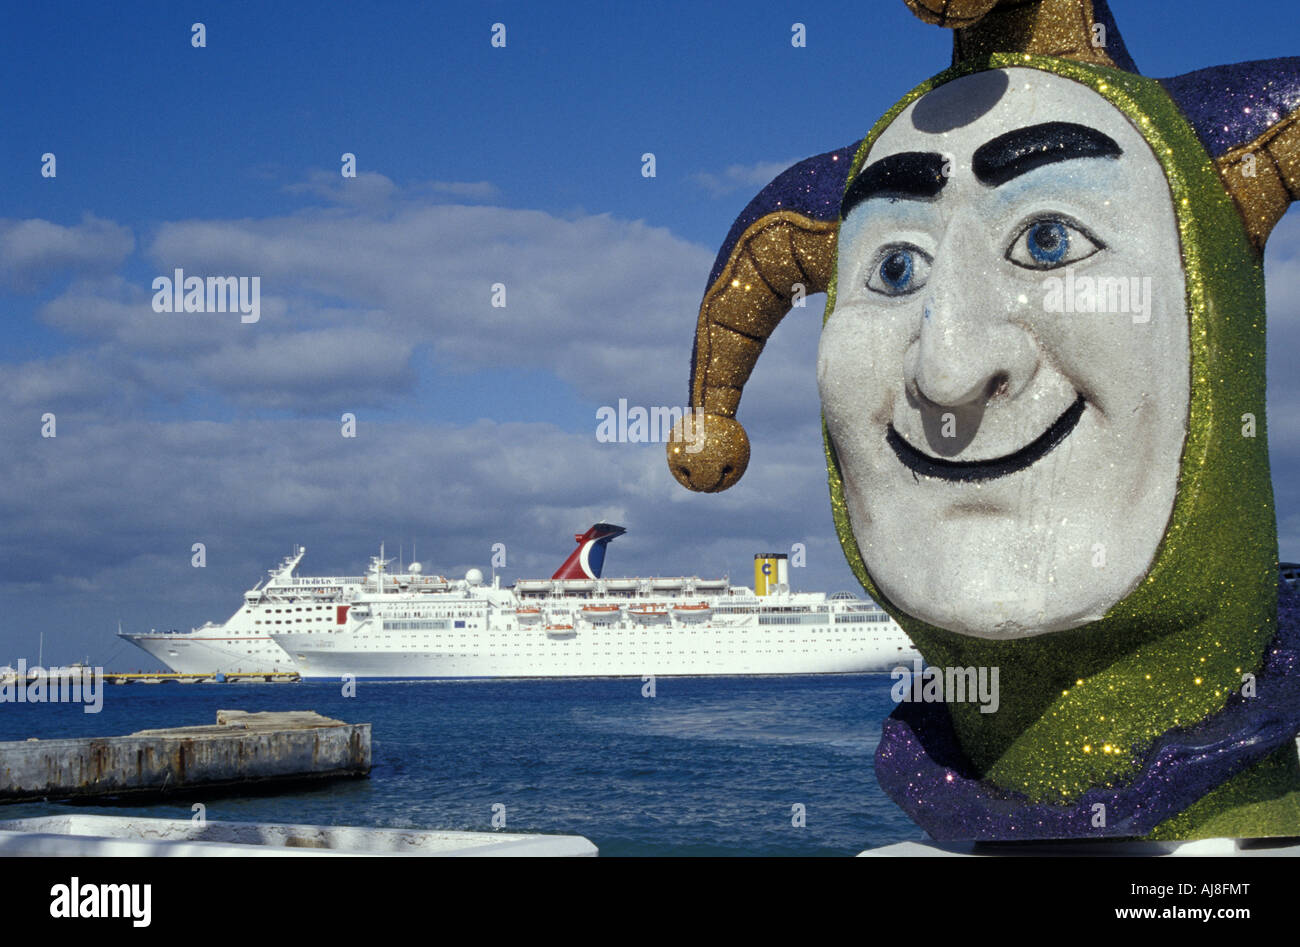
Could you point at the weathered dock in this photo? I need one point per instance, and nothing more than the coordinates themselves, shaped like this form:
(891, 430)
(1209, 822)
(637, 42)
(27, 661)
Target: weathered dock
(242, 750)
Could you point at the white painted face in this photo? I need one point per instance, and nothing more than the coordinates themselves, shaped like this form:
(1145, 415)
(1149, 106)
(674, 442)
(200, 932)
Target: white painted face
(1005, 375)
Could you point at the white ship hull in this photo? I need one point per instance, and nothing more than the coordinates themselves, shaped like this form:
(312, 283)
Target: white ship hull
(604, 652)
(191, 653)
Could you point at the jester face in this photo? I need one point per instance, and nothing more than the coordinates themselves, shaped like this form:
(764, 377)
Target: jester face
(1005, 373)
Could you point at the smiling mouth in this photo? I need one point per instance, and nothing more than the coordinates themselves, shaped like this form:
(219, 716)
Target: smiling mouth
(973, 471)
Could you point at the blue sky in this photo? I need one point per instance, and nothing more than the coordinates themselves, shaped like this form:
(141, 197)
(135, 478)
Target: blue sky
(476, 164)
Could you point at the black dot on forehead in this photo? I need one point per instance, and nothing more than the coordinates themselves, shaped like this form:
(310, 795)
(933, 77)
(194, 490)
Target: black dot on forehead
(960, 102)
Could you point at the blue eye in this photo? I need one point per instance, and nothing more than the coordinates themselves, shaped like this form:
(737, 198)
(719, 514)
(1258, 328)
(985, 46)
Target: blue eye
(899, 269)
(1050, 242)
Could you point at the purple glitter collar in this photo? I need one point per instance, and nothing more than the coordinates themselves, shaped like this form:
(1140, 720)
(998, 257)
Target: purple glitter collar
(921, 767)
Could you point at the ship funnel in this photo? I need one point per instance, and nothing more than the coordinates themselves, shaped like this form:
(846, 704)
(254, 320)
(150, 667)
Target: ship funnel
(771, 572)
(586, 561)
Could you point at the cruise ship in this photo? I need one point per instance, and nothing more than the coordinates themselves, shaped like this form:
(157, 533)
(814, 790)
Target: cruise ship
(402, 624)
(243, 643)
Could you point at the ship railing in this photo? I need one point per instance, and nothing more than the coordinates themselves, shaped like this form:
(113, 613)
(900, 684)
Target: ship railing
(312, 581)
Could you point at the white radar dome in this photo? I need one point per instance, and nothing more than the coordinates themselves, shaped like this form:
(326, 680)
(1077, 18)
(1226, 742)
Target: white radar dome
(415, 568)
(474, 577)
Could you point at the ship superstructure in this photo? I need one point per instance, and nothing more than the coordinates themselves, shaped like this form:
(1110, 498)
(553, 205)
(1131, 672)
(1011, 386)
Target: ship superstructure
(404, 624)
(243, 643)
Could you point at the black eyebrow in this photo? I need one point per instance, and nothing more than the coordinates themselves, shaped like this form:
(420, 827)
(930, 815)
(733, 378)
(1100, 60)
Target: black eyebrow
(1016, 152)
(910, 175)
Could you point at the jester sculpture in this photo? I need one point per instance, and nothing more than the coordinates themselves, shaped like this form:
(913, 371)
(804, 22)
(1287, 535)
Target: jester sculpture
(1042, 382)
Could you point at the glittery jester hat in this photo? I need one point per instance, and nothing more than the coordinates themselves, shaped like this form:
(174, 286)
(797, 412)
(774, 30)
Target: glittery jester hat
(1043, 392)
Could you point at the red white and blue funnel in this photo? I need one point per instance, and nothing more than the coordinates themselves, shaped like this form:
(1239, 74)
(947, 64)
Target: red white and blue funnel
(586, 561)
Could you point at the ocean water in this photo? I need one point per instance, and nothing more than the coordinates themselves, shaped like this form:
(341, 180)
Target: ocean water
(708, 766)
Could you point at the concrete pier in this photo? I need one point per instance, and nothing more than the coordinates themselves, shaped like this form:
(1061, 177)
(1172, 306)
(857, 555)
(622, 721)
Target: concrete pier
(80, 836)
(240, 750)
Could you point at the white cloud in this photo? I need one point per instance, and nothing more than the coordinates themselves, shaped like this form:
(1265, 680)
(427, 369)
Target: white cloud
(326, 367)
(73, 381)
(34, 251)
(368, 189)
(741, 177)
(463, 190)
(605, 305)
(376, 192)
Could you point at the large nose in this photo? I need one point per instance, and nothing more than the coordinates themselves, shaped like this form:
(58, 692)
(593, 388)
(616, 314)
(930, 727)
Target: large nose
(969, 348)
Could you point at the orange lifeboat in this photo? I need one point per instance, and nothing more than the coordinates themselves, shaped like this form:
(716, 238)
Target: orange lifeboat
(648, 614)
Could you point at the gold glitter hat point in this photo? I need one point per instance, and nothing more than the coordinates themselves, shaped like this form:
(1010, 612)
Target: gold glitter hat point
(1066, 29)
